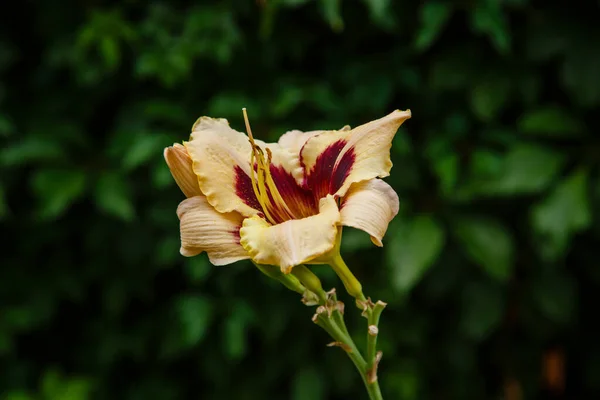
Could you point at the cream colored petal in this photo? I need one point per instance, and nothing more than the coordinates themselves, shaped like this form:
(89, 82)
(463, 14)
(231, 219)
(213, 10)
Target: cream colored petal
(294, 140)
(205, 229)
(360, 154)
(292, 242)
(180, 165)
(285, 158)
(370, 206)
(221, 160)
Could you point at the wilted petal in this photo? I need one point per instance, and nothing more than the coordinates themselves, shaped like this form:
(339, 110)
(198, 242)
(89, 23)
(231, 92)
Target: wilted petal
(180, 165)
(334, 160)
(292, 242)
(205, 229)
(370, 206)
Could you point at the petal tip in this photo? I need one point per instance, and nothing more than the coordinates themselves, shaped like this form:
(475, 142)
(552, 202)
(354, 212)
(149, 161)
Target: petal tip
(406, 114)
(376, 241)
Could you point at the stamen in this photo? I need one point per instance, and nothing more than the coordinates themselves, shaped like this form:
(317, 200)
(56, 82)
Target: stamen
(263, 183)
(271, 185)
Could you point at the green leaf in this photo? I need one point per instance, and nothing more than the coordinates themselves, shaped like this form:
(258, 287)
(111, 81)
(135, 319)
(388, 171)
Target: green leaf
(110, 51)
(550, 121)
(379, 11)
(454, 68)
(580, 70)
(30, 150)
(167, 250)
(433, 17)
(332, 14)
(57, 190)
(547, 37)
(402, 144)
(564, 212)
(56, 387)
(230, 104)
(446, 168)
(6, 126)
(355, 240)
(3, 205)
(294, 3)
(405, 380)
(555, 294)
(51, 384)
(489, 97)
(482, 309)
(194, 314)
(488, 243)
(113, 196)
(287, 100)
(236, 325)
(488, 17)
(308, 385)
(18, 395)
(412, 250)
(196, 268)
(527, 169)
(146, 147)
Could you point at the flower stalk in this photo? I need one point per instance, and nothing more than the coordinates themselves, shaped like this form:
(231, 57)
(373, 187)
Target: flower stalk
(289, 281)
(330, 317)
(283, 205)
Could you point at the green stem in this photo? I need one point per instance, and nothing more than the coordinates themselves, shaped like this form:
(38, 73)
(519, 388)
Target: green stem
(352, 285)
(373, 314)
(289, 281)
(335, 326)
(310, 282)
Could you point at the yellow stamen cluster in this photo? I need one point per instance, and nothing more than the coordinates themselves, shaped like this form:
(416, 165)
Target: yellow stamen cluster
(267, 194)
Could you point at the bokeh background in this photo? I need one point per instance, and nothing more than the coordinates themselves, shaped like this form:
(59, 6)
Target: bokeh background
(490, 270)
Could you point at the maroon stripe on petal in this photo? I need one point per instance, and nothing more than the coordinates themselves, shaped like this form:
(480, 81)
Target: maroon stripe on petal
(342, 170)
(244, 190)
(236, 234)
(299, 200)
(322, 172)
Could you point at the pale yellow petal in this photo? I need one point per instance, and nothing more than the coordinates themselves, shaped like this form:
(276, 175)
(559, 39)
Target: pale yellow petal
(295, 139)
(282, 157)
(180, 165)
(205, 229)
(292, 242)
(335, 160)
(370, 206)
(221, 160)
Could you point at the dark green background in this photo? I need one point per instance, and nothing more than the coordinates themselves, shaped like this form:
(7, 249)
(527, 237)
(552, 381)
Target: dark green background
(490, 270)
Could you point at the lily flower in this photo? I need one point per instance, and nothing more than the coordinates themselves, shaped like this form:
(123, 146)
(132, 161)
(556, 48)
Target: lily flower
(283, 203)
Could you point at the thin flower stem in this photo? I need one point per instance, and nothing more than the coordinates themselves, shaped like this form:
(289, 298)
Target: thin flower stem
(373, 313)
(352, 285)
(310, 282)
(332, 321)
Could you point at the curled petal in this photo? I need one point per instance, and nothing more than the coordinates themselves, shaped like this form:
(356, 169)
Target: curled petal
(180, 165)
(333, 160)
(370, 206)
(205, 229)
(221, 160)
(292, 242)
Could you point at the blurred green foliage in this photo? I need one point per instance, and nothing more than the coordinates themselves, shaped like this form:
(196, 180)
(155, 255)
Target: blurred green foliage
(490, 267)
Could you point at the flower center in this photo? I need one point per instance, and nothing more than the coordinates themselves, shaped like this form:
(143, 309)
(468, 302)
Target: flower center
(274, 206)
